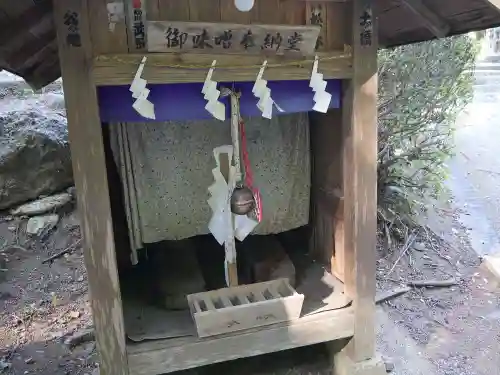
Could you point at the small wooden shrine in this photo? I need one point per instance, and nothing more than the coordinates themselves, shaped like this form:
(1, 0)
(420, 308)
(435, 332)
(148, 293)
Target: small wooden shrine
(151, 61)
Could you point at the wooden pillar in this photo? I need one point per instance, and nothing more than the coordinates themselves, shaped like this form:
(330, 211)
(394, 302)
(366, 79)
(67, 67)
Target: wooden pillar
(360, 185)
(71, 18)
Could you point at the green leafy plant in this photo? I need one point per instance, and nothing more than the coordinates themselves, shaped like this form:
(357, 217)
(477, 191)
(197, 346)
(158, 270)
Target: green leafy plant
(422, 89)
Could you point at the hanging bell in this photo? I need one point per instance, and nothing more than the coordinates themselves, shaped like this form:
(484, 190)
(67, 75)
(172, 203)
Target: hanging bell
(242, 201)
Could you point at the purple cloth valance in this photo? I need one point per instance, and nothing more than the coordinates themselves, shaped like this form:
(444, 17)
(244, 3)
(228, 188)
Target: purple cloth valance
(184, 101)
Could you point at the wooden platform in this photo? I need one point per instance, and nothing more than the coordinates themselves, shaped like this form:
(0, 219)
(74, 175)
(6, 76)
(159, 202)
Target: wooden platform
(165, 356)
(162, 341)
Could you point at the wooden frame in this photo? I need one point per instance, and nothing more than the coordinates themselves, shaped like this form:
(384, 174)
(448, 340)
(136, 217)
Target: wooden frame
(120, 69)
(89, 166)
(430, 19)
(345, 228)
(359, 130)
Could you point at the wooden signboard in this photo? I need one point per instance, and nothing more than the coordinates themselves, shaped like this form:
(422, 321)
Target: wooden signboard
(166, 36)
(137, 17)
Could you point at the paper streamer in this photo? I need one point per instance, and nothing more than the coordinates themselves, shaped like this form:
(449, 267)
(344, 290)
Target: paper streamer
(321, 97)
(211, 95)
(140, 93)
(263, 93)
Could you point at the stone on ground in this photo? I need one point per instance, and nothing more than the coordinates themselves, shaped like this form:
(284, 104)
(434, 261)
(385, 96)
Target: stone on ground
(40, 225)
(43, 205)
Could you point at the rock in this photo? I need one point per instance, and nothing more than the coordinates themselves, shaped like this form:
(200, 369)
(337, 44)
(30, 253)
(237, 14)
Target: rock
(54, 101)
(71, 191)
(419, 246)
(43, 205)
(74, 314)
(40, 225)
(4, 365)
(389, 366)
(34, 155)
(80, 338)
(57, 336)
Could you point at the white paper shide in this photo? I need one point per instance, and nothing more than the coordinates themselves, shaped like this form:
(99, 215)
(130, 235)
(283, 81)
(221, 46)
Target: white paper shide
(211, 95)
(263, 93)
(140, 93)
(321, 98)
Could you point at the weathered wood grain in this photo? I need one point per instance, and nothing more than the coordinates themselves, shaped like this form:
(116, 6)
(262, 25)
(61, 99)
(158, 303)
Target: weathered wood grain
(171, 36)
(204, 10)
(153, 10)
(360, 178)
(165, 356)
(269, 13)
(87, 152)
(292, 12)
(338, 25)
(431, 20)
(108, 29)
(337, 260)
(317, 14)
(326, 148)
(120, 69)
(174, 10)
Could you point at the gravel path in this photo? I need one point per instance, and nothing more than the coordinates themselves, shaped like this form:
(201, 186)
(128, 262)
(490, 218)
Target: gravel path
(475, 171)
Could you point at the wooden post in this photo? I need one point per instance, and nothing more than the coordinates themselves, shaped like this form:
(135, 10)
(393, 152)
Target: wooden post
(360, 189)
(71, 18)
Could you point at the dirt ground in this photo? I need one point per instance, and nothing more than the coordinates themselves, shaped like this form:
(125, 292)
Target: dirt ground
(453, 330)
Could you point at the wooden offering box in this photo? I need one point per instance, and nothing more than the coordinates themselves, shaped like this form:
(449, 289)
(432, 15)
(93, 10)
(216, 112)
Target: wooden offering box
(243, 307)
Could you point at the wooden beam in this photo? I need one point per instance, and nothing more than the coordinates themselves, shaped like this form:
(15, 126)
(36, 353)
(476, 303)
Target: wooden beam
(165, 356)
(45, 69)
(333, 202)
(108, 30)
(40, 56)
(360, 177)
(190, 67)
(430, 19)
(17, 27)
(71, 18)
(32, 46)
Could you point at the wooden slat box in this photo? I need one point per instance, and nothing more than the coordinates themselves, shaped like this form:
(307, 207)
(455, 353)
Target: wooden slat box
(243, 307)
